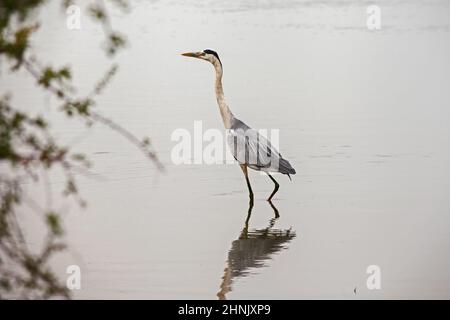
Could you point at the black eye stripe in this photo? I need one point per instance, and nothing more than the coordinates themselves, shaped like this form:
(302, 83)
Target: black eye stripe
(209, 51)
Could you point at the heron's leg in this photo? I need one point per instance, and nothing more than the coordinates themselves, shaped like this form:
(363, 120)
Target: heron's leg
(249, 213)
(277, 186)
(275, 211)
(250, 191)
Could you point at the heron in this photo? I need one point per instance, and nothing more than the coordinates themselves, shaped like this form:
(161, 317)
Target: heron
(250, 148)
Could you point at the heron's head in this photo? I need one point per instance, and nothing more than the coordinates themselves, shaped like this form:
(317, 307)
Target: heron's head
(207, 54)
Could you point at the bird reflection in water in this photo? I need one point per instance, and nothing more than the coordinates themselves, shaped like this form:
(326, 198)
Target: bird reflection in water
(253, 249)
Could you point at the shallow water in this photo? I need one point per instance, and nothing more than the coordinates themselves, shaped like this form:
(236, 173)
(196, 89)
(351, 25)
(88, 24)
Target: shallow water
(363, 117)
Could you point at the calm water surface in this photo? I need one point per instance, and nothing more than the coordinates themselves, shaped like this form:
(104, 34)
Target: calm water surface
(363, 117)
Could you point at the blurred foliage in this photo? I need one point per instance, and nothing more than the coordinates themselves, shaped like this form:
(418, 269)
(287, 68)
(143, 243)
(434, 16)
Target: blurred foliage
(28, 148)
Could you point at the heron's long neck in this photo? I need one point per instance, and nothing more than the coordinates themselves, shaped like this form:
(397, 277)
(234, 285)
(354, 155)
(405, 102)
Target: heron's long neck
(225, 112)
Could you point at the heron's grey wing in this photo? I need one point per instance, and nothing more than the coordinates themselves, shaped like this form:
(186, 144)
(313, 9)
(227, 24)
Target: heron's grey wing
(250, 147)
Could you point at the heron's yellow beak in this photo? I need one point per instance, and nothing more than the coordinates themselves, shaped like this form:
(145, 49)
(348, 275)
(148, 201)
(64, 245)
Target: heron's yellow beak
(191, 54)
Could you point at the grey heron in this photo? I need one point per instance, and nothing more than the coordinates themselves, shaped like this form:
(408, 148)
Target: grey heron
(250, 148)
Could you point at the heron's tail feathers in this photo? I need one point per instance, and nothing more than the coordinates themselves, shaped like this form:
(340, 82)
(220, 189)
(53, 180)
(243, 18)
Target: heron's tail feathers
(286, 168)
